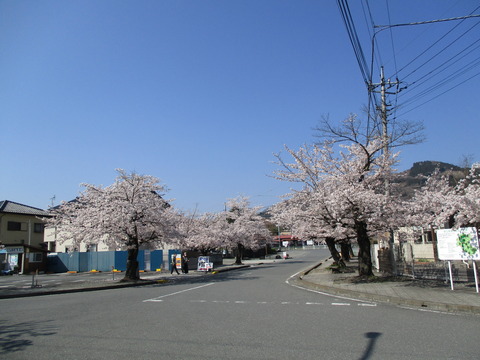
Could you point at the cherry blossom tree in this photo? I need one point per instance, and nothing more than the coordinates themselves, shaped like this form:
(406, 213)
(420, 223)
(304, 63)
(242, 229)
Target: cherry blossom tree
(466, 199)
(344, 192)
(439, 203)
(200, 232)
(242, 227)
(125, 215)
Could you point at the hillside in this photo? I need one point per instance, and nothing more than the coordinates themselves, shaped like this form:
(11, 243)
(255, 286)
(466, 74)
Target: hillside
(414, 178)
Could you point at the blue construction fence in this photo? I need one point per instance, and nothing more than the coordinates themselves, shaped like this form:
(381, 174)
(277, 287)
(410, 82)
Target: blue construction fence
(148, 260)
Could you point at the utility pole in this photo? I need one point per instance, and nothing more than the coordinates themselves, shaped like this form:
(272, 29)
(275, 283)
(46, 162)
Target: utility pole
(385, 85)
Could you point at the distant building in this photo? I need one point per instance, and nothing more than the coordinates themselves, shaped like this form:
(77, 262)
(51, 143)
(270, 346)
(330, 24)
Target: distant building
(22, 243)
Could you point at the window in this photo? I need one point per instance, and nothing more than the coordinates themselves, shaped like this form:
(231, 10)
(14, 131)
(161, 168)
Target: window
(38, 228)
(35, 257)
(92, 248)
(16, 226)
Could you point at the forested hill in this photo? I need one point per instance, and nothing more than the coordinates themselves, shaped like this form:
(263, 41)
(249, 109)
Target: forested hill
(428, 167)
(415, 177)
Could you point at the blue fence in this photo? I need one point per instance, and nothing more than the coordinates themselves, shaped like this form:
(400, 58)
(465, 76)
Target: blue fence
(102, 261)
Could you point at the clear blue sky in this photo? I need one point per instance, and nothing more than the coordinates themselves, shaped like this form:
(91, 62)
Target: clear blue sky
(201, 93)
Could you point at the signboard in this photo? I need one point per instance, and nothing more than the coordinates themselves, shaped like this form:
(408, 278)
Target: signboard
(178, 261)
(14, 250)
(461, 244)
(204, 263)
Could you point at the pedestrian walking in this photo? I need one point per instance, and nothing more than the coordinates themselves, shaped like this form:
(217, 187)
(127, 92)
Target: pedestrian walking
(174, 264)
(184, 263)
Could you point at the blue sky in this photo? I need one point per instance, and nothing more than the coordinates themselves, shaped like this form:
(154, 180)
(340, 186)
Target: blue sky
(202, 93)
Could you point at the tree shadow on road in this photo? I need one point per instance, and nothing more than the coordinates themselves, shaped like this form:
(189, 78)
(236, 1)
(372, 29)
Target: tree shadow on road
(17, 337)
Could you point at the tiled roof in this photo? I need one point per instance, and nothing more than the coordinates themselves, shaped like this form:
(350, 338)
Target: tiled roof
(7, 206)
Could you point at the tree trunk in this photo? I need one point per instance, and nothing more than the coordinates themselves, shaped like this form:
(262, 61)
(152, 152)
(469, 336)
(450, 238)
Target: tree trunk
(239, 255)
(132, 273)
(345, 250)
(434, 244)
(364, 255)
(333, 251)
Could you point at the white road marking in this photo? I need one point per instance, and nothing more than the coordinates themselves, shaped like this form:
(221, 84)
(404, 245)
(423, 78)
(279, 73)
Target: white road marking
(178, 292)
(203, 301)
(324, 293)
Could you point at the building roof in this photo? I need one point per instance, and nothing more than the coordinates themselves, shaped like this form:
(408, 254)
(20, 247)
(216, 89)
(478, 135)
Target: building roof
(7, 206)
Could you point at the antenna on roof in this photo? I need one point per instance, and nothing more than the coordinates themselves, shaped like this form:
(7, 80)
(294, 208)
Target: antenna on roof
(53, 200)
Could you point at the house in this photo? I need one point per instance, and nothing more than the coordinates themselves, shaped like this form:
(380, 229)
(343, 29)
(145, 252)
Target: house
(22, 244)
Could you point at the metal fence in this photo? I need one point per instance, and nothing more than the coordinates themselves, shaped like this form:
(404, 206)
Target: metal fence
(102, 261)
(410, 259)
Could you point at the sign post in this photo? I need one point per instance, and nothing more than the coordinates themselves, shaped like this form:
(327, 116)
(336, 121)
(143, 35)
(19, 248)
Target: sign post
(461, 244)
(204, 263)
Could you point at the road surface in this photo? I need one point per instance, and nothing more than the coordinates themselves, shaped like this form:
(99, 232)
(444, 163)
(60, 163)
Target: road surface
(255, 313)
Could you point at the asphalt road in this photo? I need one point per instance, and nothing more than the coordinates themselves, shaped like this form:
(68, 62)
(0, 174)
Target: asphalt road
(256, 313)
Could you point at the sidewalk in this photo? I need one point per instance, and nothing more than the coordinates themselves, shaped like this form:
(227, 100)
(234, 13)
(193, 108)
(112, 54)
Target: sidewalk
(426, 294)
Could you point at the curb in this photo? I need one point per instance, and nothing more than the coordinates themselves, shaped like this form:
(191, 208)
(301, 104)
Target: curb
(118, 285)
(75, 290)
(430, 305)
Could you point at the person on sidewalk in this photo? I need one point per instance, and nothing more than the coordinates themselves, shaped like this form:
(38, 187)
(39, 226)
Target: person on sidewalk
(184, 263)
(174, 264)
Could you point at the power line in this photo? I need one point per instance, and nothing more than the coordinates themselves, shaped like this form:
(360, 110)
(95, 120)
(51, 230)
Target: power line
(427, 22)
(359, 54)
(453, 87)
(444, 66)
(451, 77)
(437, 70)
(444, 49)
(433, 44)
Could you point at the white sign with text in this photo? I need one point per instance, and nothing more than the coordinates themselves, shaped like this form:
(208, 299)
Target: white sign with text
(461, 244)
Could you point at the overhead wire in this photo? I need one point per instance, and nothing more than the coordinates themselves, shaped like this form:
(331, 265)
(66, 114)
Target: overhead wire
(444, 66)
(354, 40)
(358, 51)
(432, 45)
(373, 100)
(452, 77)
(423, 80)
(455, 64)
(451, 88)
(419, 35)
(444, 49)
